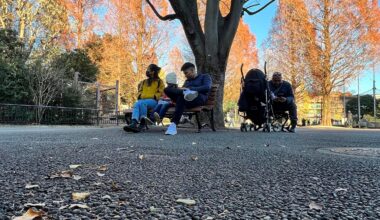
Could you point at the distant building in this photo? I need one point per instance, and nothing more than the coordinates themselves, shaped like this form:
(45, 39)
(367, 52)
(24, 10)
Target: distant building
(314, 112)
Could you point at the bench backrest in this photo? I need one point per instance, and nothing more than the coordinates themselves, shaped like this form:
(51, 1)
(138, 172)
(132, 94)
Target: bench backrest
(212, 95)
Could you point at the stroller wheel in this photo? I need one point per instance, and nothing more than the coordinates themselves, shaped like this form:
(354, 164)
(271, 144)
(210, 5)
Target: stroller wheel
(266, 128)
(276, 126)
(252, 127)
(243, 127)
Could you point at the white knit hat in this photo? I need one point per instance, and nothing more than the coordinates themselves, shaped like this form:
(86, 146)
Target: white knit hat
(171, 78)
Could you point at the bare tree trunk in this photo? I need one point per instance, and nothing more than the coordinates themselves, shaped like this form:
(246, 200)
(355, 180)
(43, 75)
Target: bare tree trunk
(326, 110)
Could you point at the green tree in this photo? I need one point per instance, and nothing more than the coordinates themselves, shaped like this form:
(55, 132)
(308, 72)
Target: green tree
(78, 60)
(13, 76)
(366, 105)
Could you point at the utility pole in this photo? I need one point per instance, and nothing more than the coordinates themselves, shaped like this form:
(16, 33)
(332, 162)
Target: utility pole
(374, 91)
(359, 100)
(344, 100)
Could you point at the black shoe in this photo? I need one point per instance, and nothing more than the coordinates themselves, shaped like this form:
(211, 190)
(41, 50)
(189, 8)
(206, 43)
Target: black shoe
(132, 127)
(142, 125)
(292, 129)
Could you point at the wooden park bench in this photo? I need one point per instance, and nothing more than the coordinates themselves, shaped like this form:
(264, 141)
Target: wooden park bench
(208, 108)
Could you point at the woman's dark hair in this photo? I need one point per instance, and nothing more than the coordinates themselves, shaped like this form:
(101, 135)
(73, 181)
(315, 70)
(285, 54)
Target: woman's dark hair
(156, 69)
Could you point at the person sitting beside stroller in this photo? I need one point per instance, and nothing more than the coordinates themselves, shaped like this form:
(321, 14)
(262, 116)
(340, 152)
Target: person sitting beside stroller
(193, 94)
(283, 98)
(165, 102)
(149, 91)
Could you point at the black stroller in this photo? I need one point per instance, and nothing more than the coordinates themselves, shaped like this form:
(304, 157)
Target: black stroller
(255, 104)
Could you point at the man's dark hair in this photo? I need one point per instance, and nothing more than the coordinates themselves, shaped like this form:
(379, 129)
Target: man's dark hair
(186, 66)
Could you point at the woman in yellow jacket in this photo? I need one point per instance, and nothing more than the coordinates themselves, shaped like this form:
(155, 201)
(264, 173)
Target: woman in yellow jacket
(149, 92)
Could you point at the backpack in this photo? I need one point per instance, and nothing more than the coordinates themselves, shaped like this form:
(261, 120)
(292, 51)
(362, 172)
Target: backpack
(254, 85)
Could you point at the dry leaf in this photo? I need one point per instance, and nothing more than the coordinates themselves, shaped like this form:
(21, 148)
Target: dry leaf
(152, 209)
(161, 139)
(74, 166)
(100, 174)
(95, 138)
(36, 205)
(186, 201)
(30, 215)
(121, 148)
(63, 207)
(102, 168)
(62, 174)
(194, 158)
(237, 147)
(266, 145)
(115, 187)
(80, 206)
(315, 178)
(97, 184)
(315, 206)
(106, 197)
(29, 186)
(193, 143)
(80, 196)
(341, 189)
(141, 157)
(77, 177)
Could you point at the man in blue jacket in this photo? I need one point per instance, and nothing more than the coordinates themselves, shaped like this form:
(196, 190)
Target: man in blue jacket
(283, 98)
(194, 93)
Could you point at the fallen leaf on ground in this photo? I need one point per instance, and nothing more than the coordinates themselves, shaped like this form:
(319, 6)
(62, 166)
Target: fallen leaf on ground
(80, 206)
(63, 207)
(237, 147)
(62, 174)
(287, 161)
(95, 138)
(100, 174)
(29, 186)
(106, 197)
(152, 209)
(161, 139)
(115, 187)
(209, 218)
(102, 168)
(80, 196)
(193, 143)
(141, 157)
(315, 178)
(186, 201)
(121, 148)
(194, 158)
(30, 215)
(315, 206)
(341, 189)
(74, 166)
(266, 145)
(77, 177)
(36, 205)
(282, 146)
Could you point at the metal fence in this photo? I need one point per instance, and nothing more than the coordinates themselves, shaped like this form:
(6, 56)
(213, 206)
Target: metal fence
(53, 115)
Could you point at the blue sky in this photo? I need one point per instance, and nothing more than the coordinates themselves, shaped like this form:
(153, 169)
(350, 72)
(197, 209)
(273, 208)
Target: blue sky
(260, 25)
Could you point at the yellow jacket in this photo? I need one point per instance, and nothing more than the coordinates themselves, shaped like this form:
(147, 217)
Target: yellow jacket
(154, 91)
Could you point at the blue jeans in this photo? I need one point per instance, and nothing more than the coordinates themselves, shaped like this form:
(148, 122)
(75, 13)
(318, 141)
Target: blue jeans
(161, 109)
(140, 108)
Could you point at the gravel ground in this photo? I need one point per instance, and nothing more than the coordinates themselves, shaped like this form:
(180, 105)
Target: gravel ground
(229, 174)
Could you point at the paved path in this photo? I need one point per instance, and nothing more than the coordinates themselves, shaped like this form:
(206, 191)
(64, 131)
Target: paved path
(229, 174)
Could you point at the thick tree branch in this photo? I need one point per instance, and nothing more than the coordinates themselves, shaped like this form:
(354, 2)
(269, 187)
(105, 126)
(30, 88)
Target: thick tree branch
(246, 10)
(164, 18)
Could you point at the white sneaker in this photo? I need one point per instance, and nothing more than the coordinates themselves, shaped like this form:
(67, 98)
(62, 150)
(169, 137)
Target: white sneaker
(190, 95)
(172, 129)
